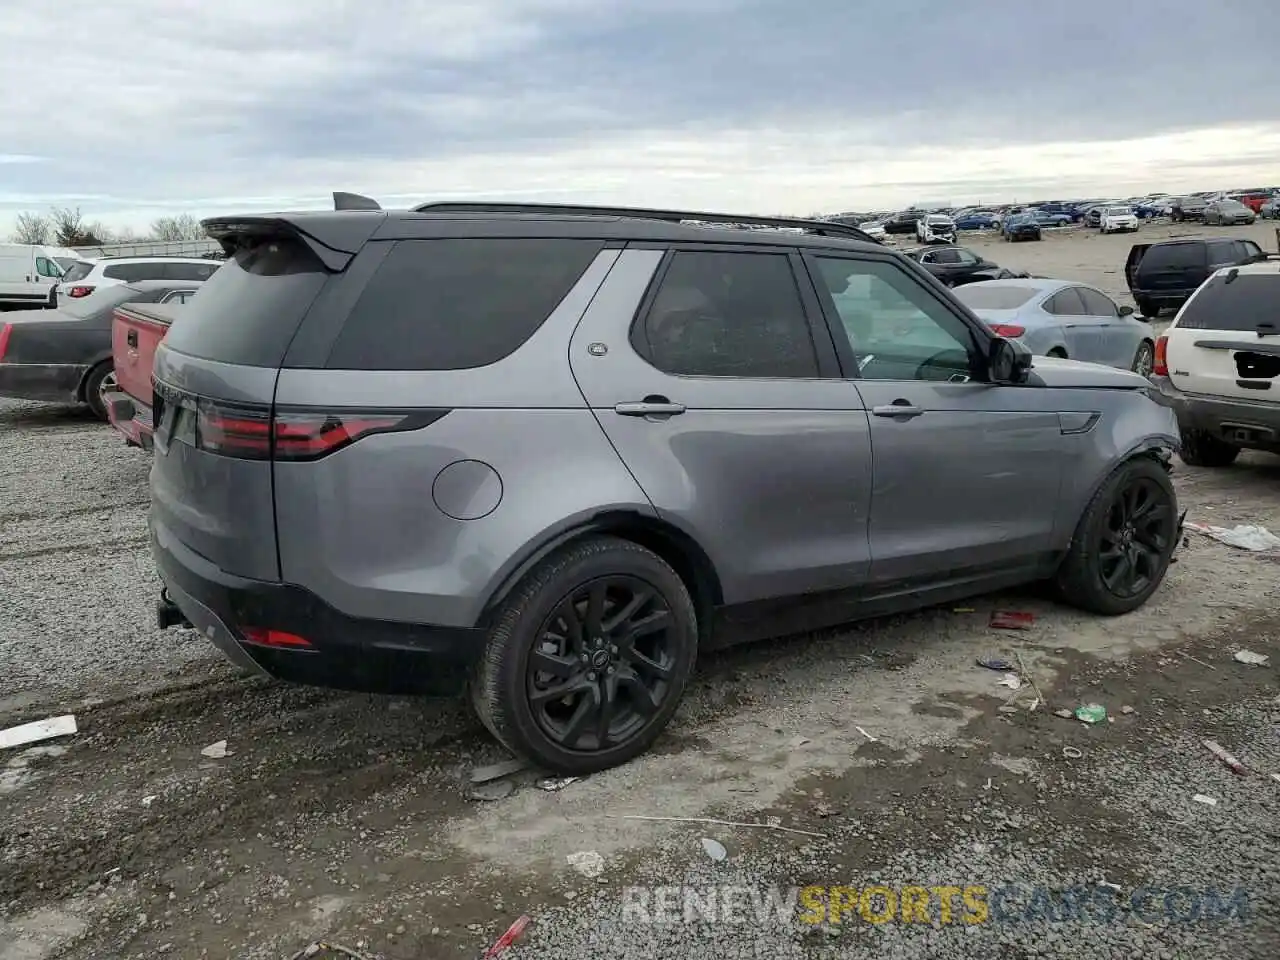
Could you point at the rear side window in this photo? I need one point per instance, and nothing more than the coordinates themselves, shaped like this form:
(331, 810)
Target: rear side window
(1066, 303)
(457, 304)
(130, 272)
(1249, 303)
(250, 308)
(77, 271)
(1173, 256)
(189, 271)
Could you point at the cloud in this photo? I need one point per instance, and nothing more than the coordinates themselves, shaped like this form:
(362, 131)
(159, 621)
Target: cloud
(153, 106)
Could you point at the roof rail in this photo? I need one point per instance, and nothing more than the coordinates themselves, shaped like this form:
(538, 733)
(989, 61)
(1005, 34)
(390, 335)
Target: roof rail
(820, 227)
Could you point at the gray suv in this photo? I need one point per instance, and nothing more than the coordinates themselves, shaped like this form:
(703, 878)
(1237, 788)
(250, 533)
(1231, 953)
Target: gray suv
(548, 454)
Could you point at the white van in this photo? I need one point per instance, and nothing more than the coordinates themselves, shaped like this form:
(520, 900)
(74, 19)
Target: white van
(28, 273)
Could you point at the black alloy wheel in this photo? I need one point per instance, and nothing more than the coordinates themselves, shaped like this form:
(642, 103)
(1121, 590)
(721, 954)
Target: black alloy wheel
(602, 664)
(1136, 538)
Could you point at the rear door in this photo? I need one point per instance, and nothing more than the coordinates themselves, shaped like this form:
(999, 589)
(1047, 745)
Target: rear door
(1225, 341)
(215, 377)
(1118, 339)
(1085, 335)
(1173, 267)
(729, 412)
(1136, 253)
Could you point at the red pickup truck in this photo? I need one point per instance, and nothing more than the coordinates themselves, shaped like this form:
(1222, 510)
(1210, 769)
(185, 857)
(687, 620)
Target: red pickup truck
(136, 331)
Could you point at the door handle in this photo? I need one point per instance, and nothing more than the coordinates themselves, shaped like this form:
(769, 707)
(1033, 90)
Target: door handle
(649, 407)
(132, 338)
(898, 410)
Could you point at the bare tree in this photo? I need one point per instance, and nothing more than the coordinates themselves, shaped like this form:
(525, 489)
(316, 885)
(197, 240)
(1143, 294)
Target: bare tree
(182, 227)
(31, 228)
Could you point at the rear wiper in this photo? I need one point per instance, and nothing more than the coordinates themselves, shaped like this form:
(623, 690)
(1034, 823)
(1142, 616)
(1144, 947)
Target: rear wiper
(1267, 329)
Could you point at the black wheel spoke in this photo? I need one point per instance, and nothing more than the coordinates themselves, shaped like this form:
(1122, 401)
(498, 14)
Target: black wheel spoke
(583, 714)
(629, 610)
(643, 664)
(554, 664)
(568, 615)
(652, 623)
(1119, 575)
(596, 599)
(558, 691)
(608, 707)
(640, 695)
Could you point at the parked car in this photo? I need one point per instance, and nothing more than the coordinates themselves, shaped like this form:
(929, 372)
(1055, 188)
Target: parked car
(473, 460)
(958, 265)
(1219, 362)
(80, 281)
(1047, 218)
(28, 273)
(1093, 215)
(873, 228)
(1165, 274)
(1253, 201)
(64, 355)
(136, 331)
(977, 220)
(1020, 226)
(1270, 210)
(1228, 213)
(1118, 220)
(904, 222)
(1062, 318)
(1187, 208)
(936, 228)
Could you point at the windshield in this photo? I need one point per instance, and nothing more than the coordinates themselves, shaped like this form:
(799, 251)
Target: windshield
(978, 296)
(66, 263)
(940, 221)
(77, 271)
(1118, 211)
(1231, 205)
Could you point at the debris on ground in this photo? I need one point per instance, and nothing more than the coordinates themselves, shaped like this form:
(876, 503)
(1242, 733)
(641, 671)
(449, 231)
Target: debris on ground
(1207, 801)
(1245, 536)
(1012, 620)
(38, 730)
(1064, 713)
(1011, 680)
(491, 791)
(496, 771)
(1032, 680)
(587, 862)
(714, 848)
(1187, 656)
(554, 784)
(724, 823)
(147, 801)
(1232, 763)
(513, 934)
(1126, 709)
(995, 663)
(1091, 712)
(313, 950)
(1254, 659)
(1073, 753)
(867, 735)
(215, 751)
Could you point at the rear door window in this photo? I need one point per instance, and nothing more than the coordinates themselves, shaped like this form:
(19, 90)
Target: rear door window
(250, 308)
(1066, 303)
(1096, 304)
(1248, 304)
(457, 304)
(1173, 256)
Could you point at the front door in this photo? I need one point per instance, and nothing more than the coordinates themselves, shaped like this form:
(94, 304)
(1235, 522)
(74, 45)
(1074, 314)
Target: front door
(1085, 335)
(732, 415)
(966, 476)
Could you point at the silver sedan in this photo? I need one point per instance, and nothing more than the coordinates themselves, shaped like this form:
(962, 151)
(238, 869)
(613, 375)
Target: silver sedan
(1062, 318)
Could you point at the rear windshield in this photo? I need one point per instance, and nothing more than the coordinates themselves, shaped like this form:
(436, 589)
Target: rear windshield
(251, 306)
(77, 271)
(1248, 301)
(979, 297)
(457, 304)
(1166, 256)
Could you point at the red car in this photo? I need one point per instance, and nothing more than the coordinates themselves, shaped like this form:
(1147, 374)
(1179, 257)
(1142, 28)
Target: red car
(136, 331)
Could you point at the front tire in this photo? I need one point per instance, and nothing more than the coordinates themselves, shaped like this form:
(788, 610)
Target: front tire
(588, 658)
(101, 377)
(1124, 541)
(1200, 449)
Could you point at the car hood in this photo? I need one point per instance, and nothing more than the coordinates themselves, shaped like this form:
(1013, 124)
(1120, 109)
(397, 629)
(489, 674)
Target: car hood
(1059, 372)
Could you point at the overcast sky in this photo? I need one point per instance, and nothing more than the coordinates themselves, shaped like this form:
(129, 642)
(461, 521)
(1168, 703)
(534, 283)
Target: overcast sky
(135, 108)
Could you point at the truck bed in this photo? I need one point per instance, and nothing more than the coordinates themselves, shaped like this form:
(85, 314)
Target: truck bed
(136, 331)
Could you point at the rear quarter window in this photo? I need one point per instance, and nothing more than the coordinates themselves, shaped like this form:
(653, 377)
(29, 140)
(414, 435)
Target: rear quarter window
(457, 304)
(250, 308)
(77, 271)
(1247, 303)
(130, 272)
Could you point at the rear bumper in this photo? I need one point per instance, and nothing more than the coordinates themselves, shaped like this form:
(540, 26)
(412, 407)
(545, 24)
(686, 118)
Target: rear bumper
(1166, 298)
(347, 653)
(49, 382)
(130, 418)
(1254, 426)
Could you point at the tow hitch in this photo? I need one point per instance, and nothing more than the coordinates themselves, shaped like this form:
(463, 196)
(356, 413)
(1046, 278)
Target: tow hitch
(167, 613)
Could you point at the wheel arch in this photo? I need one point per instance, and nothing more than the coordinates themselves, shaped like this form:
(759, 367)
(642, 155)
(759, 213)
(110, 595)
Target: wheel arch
(90, 370)
(680, 550)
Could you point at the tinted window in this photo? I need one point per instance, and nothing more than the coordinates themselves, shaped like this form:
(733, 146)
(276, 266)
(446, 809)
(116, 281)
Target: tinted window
(1066, 303)
(979, 296)
(129, 272)
(457, 304)
(1097, 304)
(189, 271)
(77, 271)
(947, 256)
(249, 310)
(1173, 256)
(896, 328)
(1242, 304)
(728, 315)
(965, 257)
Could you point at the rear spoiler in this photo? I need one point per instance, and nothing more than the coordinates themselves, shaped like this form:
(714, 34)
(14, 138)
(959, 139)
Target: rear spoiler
(353, 201)
(333, 239)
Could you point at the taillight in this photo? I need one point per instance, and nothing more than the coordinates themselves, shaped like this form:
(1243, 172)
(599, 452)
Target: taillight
(1161, 365)
(1007, 330)
(77, 292)
(5, 330)
(252, 433)
(266, 637)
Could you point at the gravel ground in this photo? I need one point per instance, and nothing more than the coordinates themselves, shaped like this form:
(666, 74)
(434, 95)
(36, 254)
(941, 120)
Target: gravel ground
(350, 817)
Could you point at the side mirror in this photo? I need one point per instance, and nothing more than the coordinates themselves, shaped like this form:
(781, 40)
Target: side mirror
(1008, 361)
(1126, 311)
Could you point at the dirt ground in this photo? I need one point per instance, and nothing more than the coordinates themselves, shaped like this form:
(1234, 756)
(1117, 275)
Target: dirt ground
(351, 817)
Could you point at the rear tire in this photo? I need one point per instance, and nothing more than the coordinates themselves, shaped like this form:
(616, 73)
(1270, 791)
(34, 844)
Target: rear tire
(561, 614)
(1200, 449)
(1123, 542)
(101, 375)
(1148, 308)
